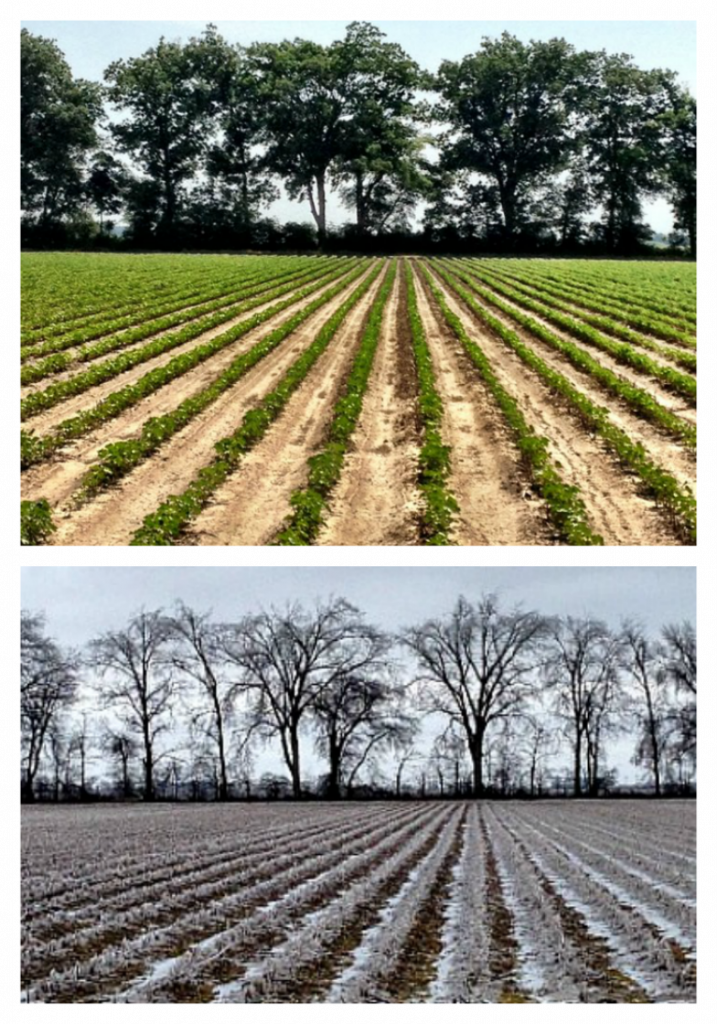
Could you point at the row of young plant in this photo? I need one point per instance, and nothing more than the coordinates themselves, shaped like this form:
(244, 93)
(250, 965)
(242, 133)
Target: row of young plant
(647, 292)
(639, 400)
(144, 297)
(310, 502)
(36, 524)
(168, 523)
(556, 297)
(34, 449)
(53, 394)
(660, 485)
(149, 318)
(679, 383)
(121, 457)
(61, 290)
(564, 504)
(434, 460)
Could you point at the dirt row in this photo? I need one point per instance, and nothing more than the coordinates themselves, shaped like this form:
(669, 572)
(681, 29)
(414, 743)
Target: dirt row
(377, 500)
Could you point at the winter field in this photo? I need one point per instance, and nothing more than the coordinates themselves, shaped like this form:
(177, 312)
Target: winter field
(398, 902)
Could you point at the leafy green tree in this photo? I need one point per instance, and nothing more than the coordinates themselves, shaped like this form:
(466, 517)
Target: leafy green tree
(340, 113)
(623, 145)
(106, 185)
(169, 117)
(508, 110)
(58, 116)
(238, 186)
(380, 163)
(680, 159)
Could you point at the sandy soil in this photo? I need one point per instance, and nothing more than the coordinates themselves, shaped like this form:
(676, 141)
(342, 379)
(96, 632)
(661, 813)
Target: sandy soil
(614, 508)
(115, 514)
(487, 479)
(376, 500)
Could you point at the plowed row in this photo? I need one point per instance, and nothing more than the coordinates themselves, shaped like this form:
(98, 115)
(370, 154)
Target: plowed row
(424, 902)
(624, 470)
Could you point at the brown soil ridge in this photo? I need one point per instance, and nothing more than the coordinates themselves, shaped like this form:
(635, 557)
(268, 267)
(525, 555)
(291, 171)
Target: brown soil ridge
(488, 480)
(615, 509)
(376, 500)
(116, 513)
(253, 504)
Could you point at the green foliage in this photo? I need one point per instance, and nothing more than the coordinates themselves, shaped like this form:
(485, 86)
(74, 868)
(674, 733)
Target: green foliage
(58, 115)
(566, 507)
(508, 111)
(325, 467)
(678, 500)
(166, 525)
(36, 525)
(434, 460)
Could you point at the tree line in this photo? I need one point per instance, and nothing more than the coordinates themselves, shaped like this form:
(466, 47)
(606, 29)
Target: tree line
(178, 704)
(517, 147)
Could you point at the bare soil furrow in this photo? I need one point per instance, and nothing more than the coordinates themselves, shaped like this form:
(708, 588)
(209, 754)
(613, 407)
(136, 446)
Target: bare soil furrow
(615, 508)
(376, 500)
(254, 503)
(491, 486)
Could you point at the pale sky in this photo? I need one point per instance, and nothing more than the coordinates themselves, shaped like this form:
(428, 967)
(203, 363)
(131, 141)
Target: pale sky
(80, 602)
(90, 46)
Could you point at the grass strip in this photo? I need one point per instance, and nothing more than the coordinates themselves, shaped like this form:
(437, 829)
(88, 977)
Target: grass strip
(639, 400)
(309, 503)
(565, 506)
(678, 500)
(168, 523)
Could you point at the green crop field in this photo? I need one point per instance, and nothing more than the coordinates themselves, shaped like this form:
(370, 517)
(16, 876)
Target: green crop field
(211, 399)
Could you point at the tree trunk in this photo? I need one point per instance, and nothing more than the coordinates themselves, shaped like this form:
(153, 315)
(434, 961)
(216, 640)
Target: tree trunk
(294, 766)
(476, 751)
(333, 785)
(577, 781)
(321, 222)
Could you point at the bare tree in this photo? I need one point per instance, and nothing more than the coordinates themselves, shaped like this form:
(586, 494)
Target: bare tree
(679, 654)
(137, 680)
(48, 681)
(582, 674)
(477, 667)
(358, 713)
(642, 659)
(539, 742)
(79, 747)
(290, 658)
(121, 747)
(198, 652)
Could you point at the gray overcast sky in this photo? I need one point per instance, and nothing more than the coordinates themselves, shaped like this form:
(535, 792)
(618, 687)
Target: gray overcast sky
(90, 46)
(82, 600)
(79, 602)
